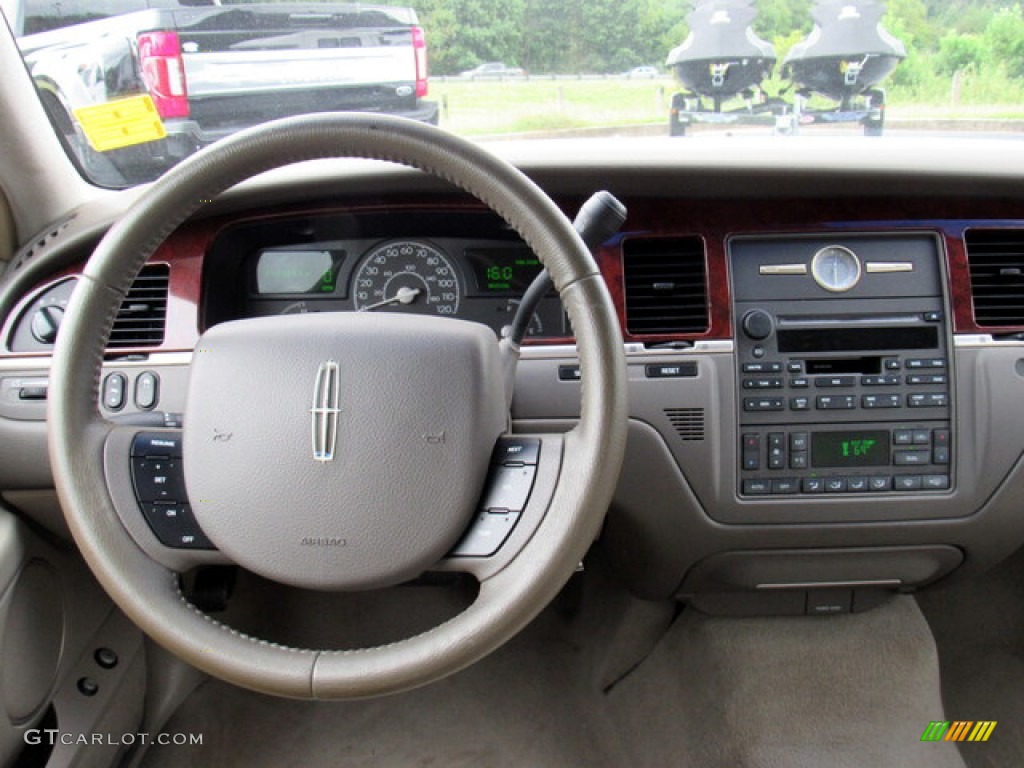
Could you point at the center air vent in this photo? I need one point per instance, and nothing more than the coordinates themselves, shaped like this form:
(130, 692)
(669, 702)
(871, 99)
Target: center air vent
(996, 261)
(666, 285)
(141, 320)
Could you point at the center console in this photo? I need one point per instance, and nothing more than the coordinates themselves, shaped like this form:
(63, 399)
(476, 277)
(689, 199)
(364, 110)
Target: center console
(843, 366)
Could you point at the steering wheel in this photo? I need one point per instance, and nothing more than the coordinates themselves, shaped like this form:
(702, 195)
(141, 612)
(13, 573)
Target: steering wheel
(405, 414)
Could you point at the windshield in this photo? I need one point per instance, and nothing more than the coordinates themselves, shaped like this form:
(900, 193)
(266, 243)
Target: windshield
(134, 86)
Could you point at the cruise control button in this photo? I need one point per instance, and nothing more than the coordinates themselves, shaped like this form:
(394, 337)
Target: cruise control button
(175, 526)
(155, 444)
(508, 487)
(159, 479)
(486, 535)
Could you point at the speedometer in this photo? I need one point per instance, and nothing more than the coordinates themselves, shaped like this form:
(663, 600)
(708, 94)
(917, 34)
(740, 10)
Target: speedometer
(407, 275)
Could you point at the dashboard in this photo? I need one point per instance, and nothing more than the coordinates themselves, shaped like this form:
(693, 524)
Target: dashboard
(825, 364)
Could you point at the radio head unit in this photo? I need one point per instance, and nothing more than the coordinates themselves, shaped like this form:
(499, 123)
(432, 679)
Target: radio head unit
(842, 387)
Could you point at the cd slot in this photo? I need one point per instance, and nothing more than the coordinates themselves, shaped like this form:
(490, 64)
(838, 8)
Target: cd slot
(865, 365)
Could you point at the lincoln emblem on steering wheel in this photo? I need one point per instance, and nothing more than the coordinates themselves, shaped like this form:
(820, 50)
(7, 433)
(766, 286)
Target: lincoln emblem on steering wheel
(325, 411)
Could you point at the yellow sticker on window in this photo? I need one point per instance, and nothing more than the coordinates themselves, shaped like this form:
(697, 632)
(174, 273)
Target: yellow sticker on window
(121, 123)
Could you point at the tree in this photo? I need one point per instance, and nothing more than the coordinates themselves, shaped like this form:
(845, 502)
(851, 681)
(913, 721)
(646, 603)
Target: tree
(1004, 37)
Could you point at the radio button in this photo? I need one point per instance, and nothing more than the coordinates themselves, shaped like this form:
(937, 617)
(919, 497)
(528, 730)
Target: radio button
(835, 484)
(799, 382)
(911, 458)
(795, 366)
(769, 383)
(786, 485)
(931, 362)
(836, 402)
(798, 460)
(762, 367)
(926, 378)
(935, 482)
(908, 483)
(800, 403)
(892, 365)
(813, 485)
(903, 437)
(857, 484)
(887, 380)
(880, 401)
(763, 404)
(880, 483)
(757, 487)
(928, 400)
(835, 381)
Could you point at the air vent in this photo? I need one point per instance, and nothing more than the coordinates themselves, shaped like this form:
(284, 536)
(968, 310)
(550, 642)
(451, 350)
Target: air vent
(666, 286)
(996, 260)
(140, 321)
(687, 422)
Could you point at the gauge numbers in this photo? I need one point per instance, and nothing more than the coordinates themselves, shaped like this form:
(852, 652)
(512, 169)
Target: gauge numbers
(836, 268)
(407, 275)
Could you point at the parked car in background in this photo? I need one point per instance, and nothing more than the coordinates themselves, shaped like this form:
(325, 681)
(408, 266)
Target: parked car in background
(494, 69)
(643, 73)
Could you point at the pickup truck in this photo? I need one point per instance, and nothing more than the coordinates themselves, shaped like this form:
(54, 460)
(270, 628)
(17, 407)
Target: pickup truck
(209, 69)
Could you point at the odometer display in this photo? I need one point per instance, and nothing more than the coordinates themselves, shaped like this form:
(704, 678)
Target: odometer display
(407, 275)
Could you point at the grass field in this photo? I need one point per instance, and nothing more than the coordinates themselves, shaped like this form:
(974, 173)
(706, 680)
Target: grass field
(477, 108)
(519, 106)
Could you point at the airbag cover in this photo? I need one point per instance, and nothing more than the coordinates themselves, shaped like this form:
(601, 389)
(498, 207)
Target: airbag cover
(418, 405)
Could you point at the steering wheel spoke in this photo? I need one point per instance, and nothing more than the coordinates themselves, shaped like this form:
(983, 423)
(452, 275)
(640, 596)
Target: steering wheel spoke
(297, 468)
(144, 475)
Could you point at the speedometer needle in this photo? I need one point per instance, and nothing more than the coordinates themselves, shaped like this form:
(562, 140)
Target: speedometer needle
(405, 295)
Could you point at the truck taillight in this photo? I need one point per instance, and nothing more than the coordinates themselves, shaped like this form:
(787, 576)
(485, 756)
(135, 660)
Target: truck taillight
(419, 49)
(163, 71)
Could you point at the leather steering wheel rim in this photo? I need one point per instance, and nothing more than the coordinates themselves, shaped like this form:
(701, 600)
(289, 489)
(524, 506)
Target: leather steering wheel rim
(149, 593)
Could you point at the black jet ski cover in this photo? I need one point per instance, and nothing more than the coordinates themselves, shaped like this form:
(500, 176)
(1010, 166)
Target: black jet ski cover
(722, 55)
(846, 32)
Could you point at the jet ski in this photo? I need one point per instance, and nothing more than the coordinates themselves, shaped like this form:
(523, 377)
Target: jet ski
(847, 53)
(722, 57)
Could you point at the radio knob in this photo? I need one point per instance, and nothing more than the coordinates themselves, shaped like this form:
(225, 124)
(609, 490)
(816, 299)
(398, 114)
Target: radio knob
(757, 324)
